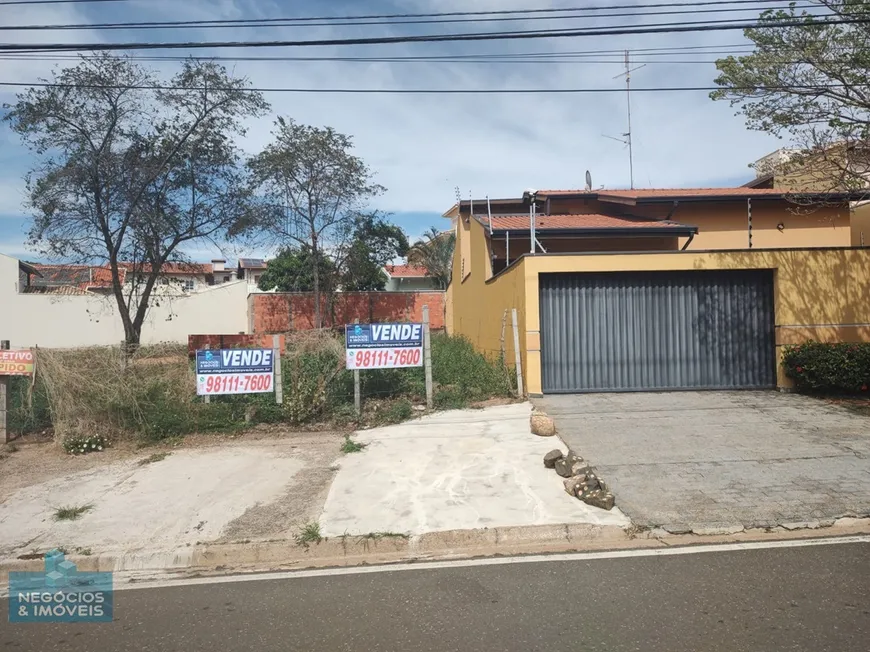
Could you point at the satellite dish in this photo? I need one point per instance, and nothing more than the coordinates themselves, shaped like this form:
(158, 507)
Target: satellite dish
(588, 181)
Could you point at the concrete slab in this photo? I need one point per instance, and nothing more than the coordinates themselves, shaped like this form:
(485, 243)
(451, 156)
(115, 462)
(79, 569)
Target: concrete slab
(190, 496)
(749, 458)
(461, 469)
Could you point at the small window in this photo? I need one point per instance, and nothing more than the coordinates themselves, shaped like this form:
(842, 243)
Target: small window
(189, 285)
(226, 279)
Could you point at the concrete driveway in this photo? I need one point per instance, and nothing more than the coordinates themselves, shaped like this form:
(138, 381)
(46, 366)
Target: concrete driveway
(708, 461)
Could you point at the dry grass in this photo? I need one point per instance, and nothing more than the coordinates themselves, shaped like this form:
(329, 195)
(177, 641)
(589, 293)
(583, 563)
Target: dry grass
(94, 390)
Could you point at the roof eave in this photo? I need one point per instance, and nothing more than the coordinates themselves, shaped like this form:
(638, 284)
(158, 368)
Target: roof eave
(627, 231)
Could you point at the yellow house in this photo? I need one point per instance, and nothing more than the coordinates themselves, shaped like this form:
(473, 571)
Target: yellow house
(656, 289)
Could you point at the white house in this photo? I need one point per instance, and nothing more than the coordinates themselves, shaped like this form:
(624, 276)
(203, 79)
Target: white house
(408, 278)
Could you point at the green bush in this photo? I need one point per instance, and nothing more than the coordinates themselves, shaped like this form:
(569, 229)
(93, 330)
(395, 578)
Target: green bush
(828, 368)
(29, 409)
(84, 444)
(456, 363)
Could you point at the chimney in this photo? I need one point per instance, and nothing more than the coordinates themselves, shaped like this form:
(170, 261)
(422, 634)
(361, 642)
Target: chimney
(219, 265)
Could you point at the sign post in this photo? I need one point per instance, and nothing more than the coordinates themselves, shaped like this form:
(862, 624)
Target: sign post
(12, 363)
(357, 389)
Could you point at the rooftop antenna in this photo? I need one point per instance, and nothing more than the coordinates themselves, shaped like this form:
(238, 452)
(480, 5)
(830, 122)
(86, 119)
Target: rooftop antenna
(626, 137)
(588, 181)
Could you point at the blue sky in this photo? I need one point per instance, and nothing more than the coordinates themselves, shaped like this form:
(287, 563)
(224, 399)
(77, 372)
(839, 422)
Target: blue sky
(424, 146)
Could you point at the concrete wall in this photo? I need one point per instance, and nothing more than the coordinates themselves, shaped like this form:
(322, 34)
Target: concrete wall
(71, 321)
(412, 284)
(282, 312)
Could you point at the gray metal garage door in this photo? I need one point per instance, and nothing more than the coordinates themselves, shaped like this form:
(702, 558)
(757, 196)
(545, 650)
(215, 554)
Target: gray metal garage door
(657, 331)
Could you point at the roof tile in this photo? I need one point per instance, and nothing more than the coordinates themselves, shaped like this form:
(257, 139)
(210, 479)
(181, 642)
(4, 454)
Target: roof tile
(583, 221)
(407, 271)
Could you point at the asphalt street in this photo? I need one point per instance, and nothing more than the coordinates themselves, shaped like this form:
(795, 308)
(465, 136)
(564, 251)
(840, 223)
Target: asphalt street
(807, 598)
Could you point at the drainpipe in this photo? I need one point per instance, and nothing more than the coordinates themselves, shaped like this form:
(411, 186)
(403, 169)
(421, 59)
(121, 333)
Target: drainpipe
(673, 210)
(489, 212)
(749, 219)
(532, 222)
(507, 248)
(688, 242)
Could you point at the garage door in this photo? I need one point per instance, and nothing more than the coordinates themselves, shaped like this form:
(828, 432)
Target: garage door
(657, 331)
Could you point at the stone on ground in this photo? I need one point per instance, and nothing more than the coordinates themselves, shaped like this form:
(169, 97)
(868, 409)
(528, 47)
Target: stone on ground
(542, 425)
(552, 457)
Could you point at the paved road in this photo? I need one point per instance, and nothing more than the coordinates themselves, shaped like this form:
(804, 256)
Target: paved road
(812, 598)
(758, 459)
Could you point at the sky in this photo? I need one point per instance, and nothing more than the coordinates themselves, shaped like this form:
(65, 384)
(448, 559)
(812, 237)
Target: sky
(426, 148)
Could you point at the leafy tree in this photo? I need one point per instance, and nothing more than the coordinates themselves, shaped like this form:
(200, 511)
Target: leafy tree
(809, 82)
(292, 270)
(374, 243)
(315, 187)
(435, 253)
(131, 169)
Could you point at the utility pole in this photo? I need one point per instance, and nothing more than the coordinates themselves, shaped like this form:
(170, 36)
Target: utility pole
(626, 137)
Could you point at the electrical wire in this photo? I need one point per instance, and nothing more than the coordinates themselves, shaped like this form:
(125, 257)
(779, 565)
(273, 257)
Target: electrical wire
(349, 22)
(654, 28)
(5, 3)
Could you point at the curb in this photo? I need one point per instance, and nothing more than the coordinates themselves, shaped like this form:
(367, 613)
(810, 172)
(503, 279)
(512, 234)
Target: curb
(352, 550)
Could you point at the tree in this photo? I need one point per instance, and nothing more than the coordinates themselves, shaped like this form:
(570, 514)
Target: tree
(435, 253)
(130, 169)
(315, 187)
(809, 82)
(375, 242)
(292, 270)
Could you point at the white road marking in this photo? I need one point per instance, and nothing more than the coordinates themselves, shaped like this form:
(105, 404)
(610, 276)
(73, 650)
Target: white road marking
(489, 561)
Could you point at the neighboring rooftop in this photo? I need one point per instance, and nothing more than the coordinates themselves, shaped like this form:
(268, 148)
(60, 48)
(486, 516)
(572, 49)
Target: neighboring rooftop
(406, 271)
(582, 222)
(252, 263)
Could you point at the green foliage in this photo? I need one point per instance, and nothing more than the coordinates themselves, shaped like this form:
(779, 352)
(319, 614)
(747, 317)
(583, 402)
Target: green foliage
(456, 363)
(435, 253)
(84, 444)
(72, 513)
(28, 406)
(828, 368)
(374, 243)
(292, 270)
(310, 533)
(351, 446)
(450, 397)
(808, 81)
(400, 410)
(151, 459)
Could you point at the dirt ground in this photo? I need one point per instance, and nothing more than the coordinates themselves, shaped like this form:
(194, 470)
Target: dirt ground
(34, 468)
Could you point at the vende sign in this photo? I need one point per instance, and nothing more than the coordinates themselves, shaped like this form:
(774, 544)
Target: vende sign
(235, 371)
(384, 346)
(16, 363)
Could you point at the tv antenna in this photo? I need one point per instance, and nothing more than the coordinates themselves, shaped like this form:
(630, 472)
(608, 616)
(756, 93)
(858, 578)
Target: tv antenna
(626, 137)
(588, 181)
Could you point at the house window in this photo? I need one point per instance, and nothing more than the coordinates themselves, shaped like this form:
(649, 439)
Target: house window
(226, 279)
(189, 285)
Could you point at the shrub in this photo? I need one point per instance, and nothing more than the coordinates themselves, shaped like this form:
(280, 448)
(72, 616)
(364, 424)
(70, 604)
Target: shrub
(84, 444)
(456, 363)
(29, 409)
(828, 368)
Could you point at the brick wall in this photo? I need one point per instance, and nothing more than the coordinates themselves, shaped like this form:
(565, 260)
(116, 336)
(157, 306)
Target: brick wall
(294, 311)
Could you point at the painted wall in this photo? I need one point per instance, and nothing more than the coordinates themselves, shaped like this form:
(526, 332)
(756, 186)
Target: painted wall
(479, 302)
(861, 225)
(71, 321)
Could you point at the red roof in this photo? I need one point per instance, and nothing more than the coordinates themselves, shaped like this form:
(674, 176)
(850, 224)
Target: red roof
(178, 269)
(579, 222)
(640, 193)
(407, 271)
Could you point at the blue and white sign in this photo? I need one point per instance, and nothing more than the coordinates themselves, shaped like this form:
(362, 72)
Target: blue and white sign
(60, 594)
(384, 346)
(235, 371)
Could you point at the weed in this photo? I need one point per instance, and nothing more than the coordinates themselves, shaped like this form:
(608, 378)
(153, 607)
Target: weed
(11, 448)
(84, 444)
(71, 513)
(84, 552)
(450, 397)
(399, 411)
(309, 534)
(156, 457)
(351, 446)
(377, 536)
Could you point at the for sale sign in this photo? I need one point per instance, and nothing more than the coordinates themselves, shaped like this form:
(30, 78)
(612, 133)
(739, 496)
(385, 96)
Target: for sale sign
(384, 346)
(235, 371)
(16, 363)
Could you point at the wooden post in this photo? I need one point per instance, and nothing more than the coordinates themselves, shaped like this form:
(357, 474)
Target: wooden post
(279, 377)
(519, 359)
(503, 325)
(4, 399)
(357, 392)
(206, 398)
(427, 356)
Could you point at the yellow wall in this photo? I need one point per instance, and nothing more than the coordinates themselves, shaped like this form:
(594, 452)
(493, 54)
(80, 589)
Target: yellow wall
(479, 306)
(861, 225)
(821, 294)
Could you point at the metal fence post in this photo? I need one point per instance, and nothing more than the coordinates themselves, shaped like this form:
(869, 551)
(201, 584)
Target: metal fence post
(279, 376)
(427, 356)
(518, 357)
(4, 399)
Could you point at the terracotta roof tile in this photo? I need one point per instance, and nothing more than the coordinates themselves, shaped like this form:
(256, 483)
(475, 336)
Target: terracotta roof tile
(585, 221)
(407, 271)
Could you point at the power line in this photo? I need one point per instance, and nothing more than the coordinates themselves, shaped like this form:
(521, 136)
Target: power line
(365, 21)
(655, 28)
(421, 91)
(52, 2)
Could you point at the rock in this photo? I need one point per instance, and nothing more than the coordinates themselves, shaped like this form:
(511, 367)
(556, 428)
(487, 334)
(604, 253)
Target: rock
(572, 487)
(542, 425)
(573, 458)
(562, 468)
(551, 458)
(597, 498)
(580, 468)
(419, 408)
